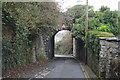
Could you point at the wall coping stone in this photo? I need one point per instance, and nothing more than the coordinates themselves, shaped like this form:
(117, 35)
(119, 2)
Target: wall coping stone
(110, 38)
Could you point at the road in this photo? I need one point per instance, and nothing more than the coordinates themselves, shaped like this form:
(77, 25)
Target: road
(66, 67)
(60, 67)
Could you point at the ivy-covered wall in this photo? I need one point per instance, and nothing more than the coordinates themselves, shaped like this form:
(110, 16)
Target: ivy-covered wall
(26, 29)
(17, 54)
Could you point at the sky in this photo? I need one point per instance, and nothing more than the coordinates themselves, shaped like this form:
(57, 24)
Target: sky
(112, 4)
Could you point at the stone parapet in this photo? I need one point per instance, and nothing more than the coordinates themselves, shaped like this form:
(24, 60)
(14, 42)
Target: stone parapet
(109, 57)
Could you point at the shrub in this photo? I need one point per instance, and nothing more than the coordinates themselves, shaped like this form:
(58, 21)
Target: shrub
(105, 28)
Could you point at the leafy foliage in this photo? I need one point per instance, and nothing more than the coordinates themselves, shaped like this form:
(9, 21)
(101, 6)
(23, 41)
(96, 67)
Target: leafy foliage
(22, 23)
(104, 8)
(104, 28)
(102, 23)
(75, 12)
(103, 20)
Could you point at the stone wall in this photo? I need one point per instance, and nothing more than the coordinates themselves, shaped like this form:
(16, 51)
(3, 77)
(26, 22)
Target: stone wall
(38, 48)
(42, 47)
(93, 60)
(74, 47)
(50, 48)
(78, 49)
(109, 58)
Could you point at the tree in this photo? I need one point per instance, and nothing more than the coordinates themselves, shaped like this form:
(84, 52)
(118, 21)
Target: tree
(104, 8)
(22, 23)
(75, 12)
(103, 20)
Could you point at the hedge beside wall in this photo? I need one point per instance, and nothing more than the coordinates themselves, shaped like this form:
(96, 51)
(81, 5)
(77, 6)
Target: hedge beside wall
(94, 48)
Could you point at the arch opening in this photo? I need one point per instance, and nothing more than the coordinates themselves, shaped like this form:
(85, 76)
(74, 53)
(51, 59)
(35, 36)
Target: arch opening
(63, 44)
(76, 50)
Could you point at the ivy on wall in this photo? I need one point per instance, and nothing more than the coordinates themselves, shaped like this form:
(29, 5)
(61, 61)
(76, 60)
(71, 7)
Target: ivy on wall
(22, 23)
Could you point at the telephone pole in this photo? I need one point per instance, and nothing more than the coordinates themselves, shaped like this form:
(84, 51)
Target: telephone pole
(86, 33)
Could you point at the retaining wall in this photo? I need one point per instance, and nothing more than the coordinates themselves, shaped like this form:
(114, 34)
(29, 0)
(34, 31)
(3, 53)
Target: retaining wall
(109, 57)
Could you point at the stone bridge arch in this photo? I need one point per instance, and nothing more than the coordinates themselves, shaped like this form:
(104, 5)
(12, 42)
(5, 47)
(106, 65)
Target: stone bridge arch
(78, 47)
(51, 44)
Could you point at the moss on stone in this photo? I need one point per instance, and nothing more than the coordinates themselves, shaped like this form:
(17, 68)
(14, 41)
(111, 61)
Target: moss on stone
(42, 57)
(102, 34)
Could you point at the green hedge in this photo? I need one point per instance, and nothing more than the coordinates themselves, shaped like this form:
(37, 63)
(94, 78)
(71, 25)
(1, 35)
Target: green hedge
(13, 54)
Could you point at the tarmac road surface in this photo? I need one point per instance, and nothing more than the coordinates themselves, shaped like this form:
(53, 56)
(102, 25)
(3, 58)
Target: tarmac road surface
(66, 67)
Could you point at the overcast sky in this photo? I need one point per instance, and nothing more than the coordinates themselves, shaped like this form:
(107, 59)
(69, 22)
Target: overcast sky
(113, 4)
